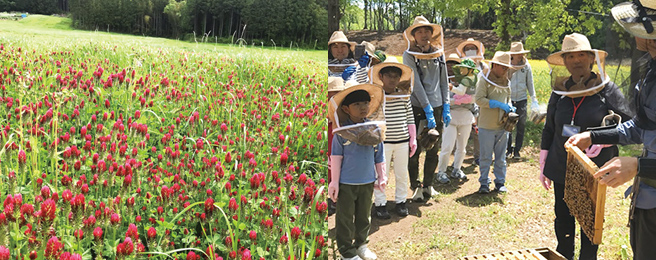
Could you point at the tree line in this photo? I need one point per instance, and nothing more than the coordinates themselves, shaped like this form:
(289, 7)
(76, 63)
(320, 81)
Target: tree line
(280, 22)
(539, 23)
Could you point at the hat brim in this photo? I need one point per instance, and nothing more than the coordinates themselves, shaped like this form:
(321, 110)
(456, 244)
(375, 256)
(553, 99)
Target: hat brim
(406, 72)
(624, 12)
(351, 44)
(556, 58)
(518, 52)
(376, 94)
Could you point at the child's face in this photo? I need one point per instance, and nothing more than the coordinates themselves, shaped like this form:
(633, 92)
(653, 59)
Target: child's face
(357, 111)
(390, 81)
(339, 50)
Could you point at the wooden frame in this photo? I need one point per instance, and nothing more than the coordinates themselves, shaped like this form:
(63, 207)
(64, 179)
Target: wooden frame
(529, 254)
(595, 191)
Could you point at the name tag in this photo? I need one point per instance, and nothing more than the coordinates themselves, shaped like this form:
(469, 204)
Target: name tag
(570, 130)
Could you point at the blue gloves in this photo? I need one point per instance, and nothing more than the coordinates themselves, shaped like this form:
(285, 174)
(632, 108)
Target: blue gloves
(502, 106)
(364, 60)
(446, 114)
(346, 74)
(428, 110)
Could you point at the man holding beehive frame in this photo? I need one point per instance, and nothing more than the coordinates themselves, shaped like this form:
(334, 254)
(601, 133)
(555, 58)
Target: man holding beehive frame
(636, 18)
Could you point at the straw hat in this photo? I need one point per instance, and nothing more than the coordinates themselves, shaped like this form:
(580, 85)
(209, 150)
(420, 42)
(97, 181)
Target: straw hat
(502, 58)
(406, 72)
(461, 47)
(369, 48)
(335, 84)
(628, 15)
(574, 42)
(339, 37)
(376, 94)
(437, 39)
(453, 57)
(517, 48)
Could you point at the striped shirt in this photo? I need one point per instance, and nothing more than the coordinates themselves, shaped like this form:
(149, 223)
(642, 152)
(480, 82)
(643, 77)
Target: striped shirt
(398, 115)
(360, 75)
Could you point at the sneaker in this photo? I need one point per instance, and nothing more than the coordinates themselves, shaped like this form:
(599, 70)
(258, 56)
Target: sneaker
(418, 195)
(458, 174)
(477, 161)
(352, 258)
(429, 192)
(484, 189)
(401, 209)
(501, 188)
(365, 253)
(516, 155)
(381, 212)
(509, 154)
(442, 178)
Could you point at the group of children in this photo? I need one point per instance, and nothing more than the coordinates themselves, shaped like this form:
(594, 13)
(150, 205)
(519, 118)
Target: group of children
(378, 120)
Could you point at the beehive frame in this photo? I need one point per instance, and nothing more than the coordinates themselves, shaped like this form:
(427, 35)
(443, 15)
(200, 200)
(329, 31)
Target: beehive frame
(584, 196)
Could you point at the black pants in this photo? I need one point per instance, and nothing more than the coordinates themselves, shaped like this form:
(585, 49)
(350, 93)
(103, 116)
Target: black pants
(430, 163)
(643, 234)
(519, 128)
(565, 230)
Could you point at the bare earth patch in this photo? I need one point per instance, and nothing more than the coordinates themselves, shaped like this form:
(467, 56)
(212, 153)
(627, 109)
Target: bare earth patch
(460, 222)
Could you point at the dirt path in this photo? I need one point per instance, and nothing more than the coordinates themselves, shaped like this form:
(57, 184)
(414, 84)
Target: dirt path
(460, 222)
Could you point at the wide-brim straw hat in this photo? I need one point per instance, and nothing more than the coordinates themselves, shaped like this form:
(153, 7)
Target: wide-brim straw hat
(404, 88)
(335, 84)
(502, 58)
(461, 48)
(339, 37)
(574, 42)
(376, 95)
(453, 57)
(628, 15)
(517, 48)
(436, 40)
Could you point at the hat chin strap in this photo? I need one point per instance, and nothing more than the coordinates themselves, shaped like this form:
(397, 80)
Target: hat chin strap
(644, 18)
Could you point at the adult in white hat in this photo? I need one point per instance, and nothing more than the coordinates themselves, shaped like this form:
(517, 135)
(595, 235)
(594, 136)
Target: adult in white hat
(430, 96)
(637, 18)
(341, 59)
(581, 99)
(521, 83)
(493, 98)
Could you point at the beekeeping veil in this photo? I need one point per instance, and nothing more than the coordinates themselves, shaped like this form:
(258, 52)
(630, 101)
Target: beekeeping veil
(372, 131)
(436, 40)
(404, 88)
(561, 78)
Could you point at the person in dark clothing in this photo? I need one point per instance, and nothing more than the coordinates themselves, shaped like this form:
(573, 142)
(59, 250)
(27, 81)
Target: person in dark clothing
(581, 98)
(640, 129)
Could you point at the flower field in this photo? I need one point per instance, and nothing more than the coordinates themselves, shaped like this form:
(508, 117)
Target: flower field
(118, 148)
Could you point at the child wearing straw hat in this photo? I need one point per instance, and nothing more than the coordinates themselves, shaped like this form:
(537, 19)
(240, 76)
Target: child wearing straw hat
(400, 137)
(632, 16)
(493, 98)
(341, 59)
(582, 97)
(357, 167)
(430, 95)
(521, 82)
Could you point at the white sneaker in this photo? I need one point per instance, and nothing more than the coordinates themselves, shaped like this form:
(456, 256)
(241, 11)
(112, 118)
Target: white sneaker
(352, 258)
(430, 192)
(365, 253)
(418, 196)
(442, 178)
(458, 174)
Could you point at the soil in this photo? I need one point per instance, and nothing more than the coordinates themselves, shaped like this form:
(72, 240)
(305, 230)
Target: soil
(392, 43)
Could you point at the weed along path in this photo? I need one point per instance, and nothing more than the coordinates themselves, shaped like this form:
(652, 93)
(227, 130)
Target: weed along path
(460, 222)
